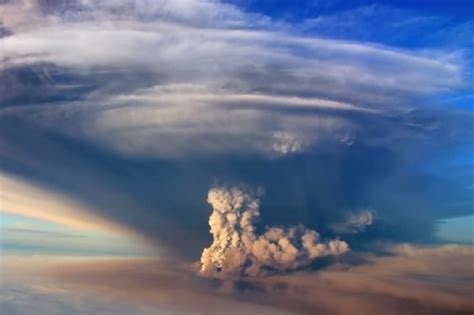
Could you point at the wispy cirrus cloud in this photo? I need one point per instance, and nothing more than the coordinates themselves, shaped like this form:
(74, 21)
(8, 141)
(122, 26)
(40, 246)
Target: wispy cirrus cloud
(239, 66)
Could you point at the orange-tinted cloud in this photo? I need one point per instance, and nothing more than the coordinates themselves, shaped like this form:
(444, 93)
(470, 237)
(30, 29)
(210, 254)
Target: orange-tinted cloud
(21, 197)
(410, 280)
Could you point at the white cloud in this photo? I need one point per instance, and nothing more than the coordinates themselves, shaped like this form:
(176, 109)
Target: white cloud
(222, 82)
(355, 222)
(285, 143)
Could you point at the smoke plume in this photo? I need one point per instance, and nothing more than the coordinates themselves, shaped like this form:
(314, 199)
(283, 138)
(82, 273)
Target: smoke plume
(238, 250)
(354, 222)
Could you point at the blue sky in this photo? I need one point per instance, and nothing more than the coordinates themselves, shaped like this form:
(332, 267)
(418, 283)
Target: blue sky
(309, 8)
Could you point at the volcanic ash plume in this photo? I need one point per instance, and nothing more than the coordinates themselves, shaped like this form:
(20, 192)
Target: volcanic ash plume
(354, 223)
(238, 250)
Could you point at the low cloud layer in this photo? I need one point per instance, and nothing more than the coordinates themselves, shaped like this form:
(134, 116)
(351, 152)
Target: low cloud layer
(410, 280)
(237, 248)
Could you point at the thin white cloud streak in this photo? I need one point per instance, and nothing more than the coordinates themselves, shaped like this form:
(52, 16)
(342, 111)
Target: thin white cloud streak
(184, 93)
